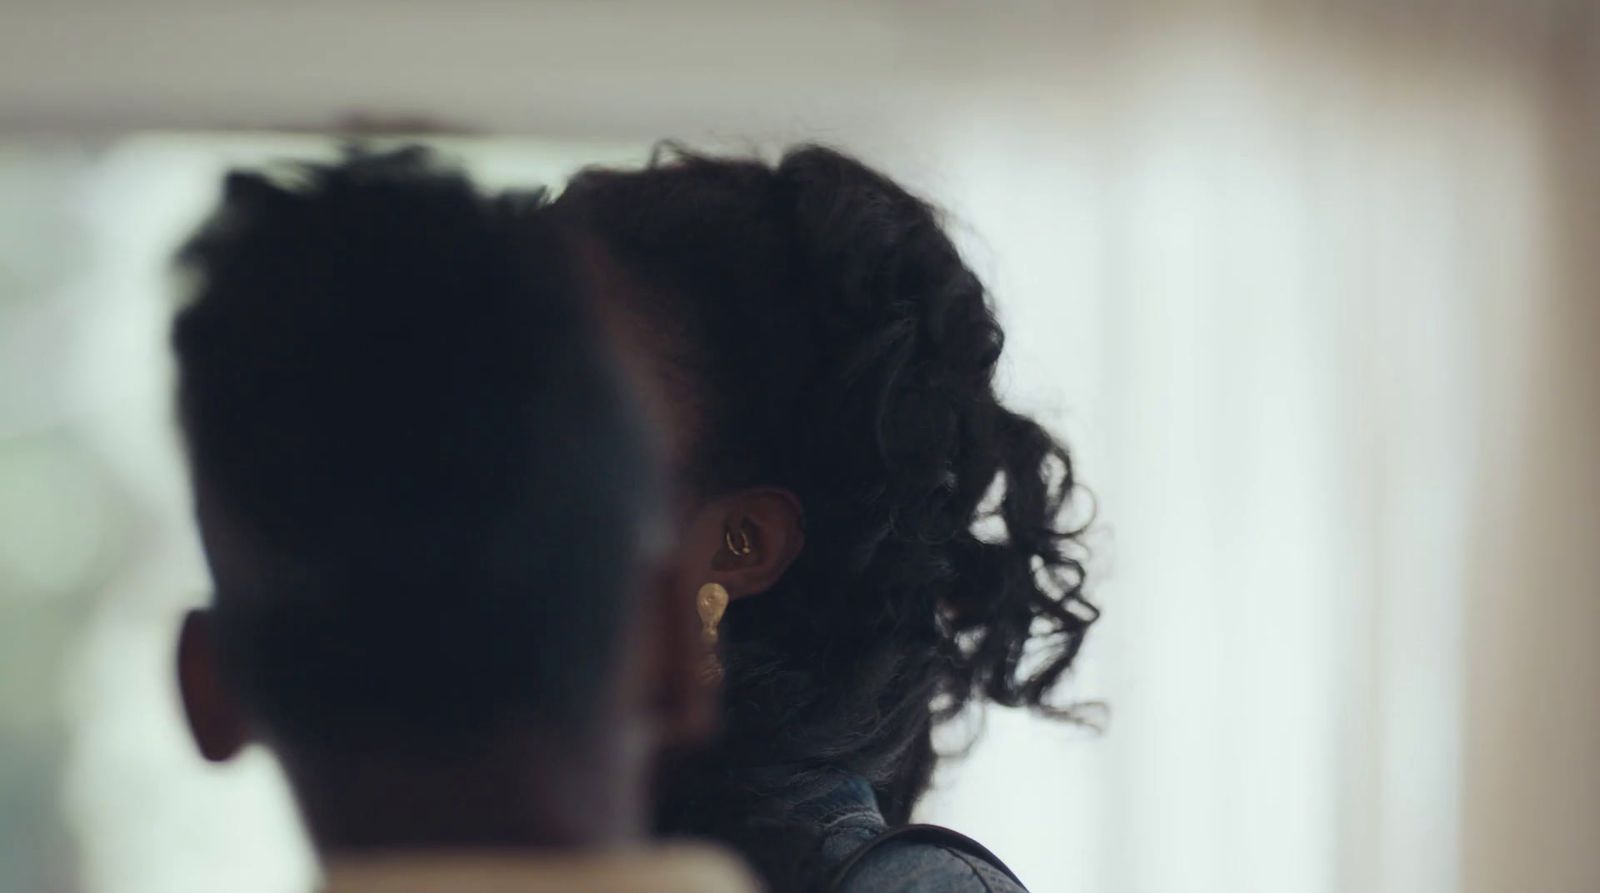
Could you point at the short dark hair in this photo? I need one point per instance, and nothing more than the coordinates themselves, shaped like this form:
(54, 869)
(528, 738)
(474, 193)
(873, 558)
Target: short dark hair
(388, 384)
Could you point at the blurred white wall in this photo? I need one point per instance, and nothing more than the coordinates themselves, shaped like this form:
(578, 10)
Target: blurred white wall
(1310, 287)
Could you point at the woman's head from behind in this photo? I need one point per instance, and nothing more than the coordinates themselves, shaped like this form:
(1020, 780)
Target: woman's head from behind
(824, 363)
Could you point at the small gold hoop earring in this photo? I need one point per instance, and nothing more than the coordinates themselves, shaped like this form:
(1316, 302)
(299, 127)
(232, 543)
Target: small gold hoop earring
(710, 603)
(740, 548)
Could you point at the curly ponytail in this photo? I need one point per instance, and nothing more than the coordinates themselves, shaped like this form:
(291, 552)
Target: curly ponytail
(840, 347)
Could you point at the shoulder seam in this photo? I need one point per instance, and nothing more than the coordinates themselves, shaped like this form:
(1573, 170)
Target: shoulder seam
(937, 858)
(967, 861)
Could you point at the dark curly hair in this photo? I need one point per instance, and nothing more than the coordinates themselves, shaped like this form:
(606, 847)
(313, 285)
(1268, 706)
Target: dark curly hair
(837, 345)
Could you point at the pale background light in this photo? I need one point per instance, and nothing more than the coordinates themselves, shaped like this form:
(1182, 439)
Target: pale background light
(1310, 287)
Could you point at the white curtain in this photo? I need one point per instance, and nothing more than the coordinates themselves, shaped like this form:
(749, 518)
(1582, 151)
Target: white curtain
(1308, 297)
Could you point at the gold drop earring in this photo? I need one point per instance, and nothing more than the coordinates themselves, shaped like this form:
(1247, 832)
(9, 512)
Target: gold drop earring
(711, 602)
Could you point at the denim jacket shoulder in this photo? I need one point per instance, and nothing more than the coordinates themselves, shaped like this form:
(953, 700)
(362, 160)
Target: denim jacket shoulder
(848, 818)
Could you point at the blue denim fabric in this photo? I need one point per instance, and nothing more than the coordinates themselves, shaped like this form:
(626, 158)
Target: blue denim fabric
(848, 817)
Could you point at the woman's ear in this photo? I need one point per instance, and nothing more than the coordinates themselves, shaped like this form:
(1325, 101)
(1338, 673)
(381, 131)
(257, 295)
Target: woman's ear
(215, 718)
(763, 531)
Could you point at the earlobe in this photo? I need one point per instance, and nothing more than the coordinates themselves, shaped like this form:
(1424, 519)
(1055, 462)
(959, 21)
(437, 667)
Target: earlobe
(215, 719)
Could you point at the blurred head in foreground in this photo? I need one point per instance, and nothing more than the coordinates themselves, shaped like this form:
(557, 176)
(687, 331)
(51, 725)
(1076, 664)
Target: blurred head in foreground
(432, 517)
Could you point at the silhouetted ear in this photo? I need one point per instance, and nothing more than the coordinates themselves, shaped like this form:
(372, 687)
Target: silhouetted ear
(766, 529)
(763, 533)
(215, 718)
